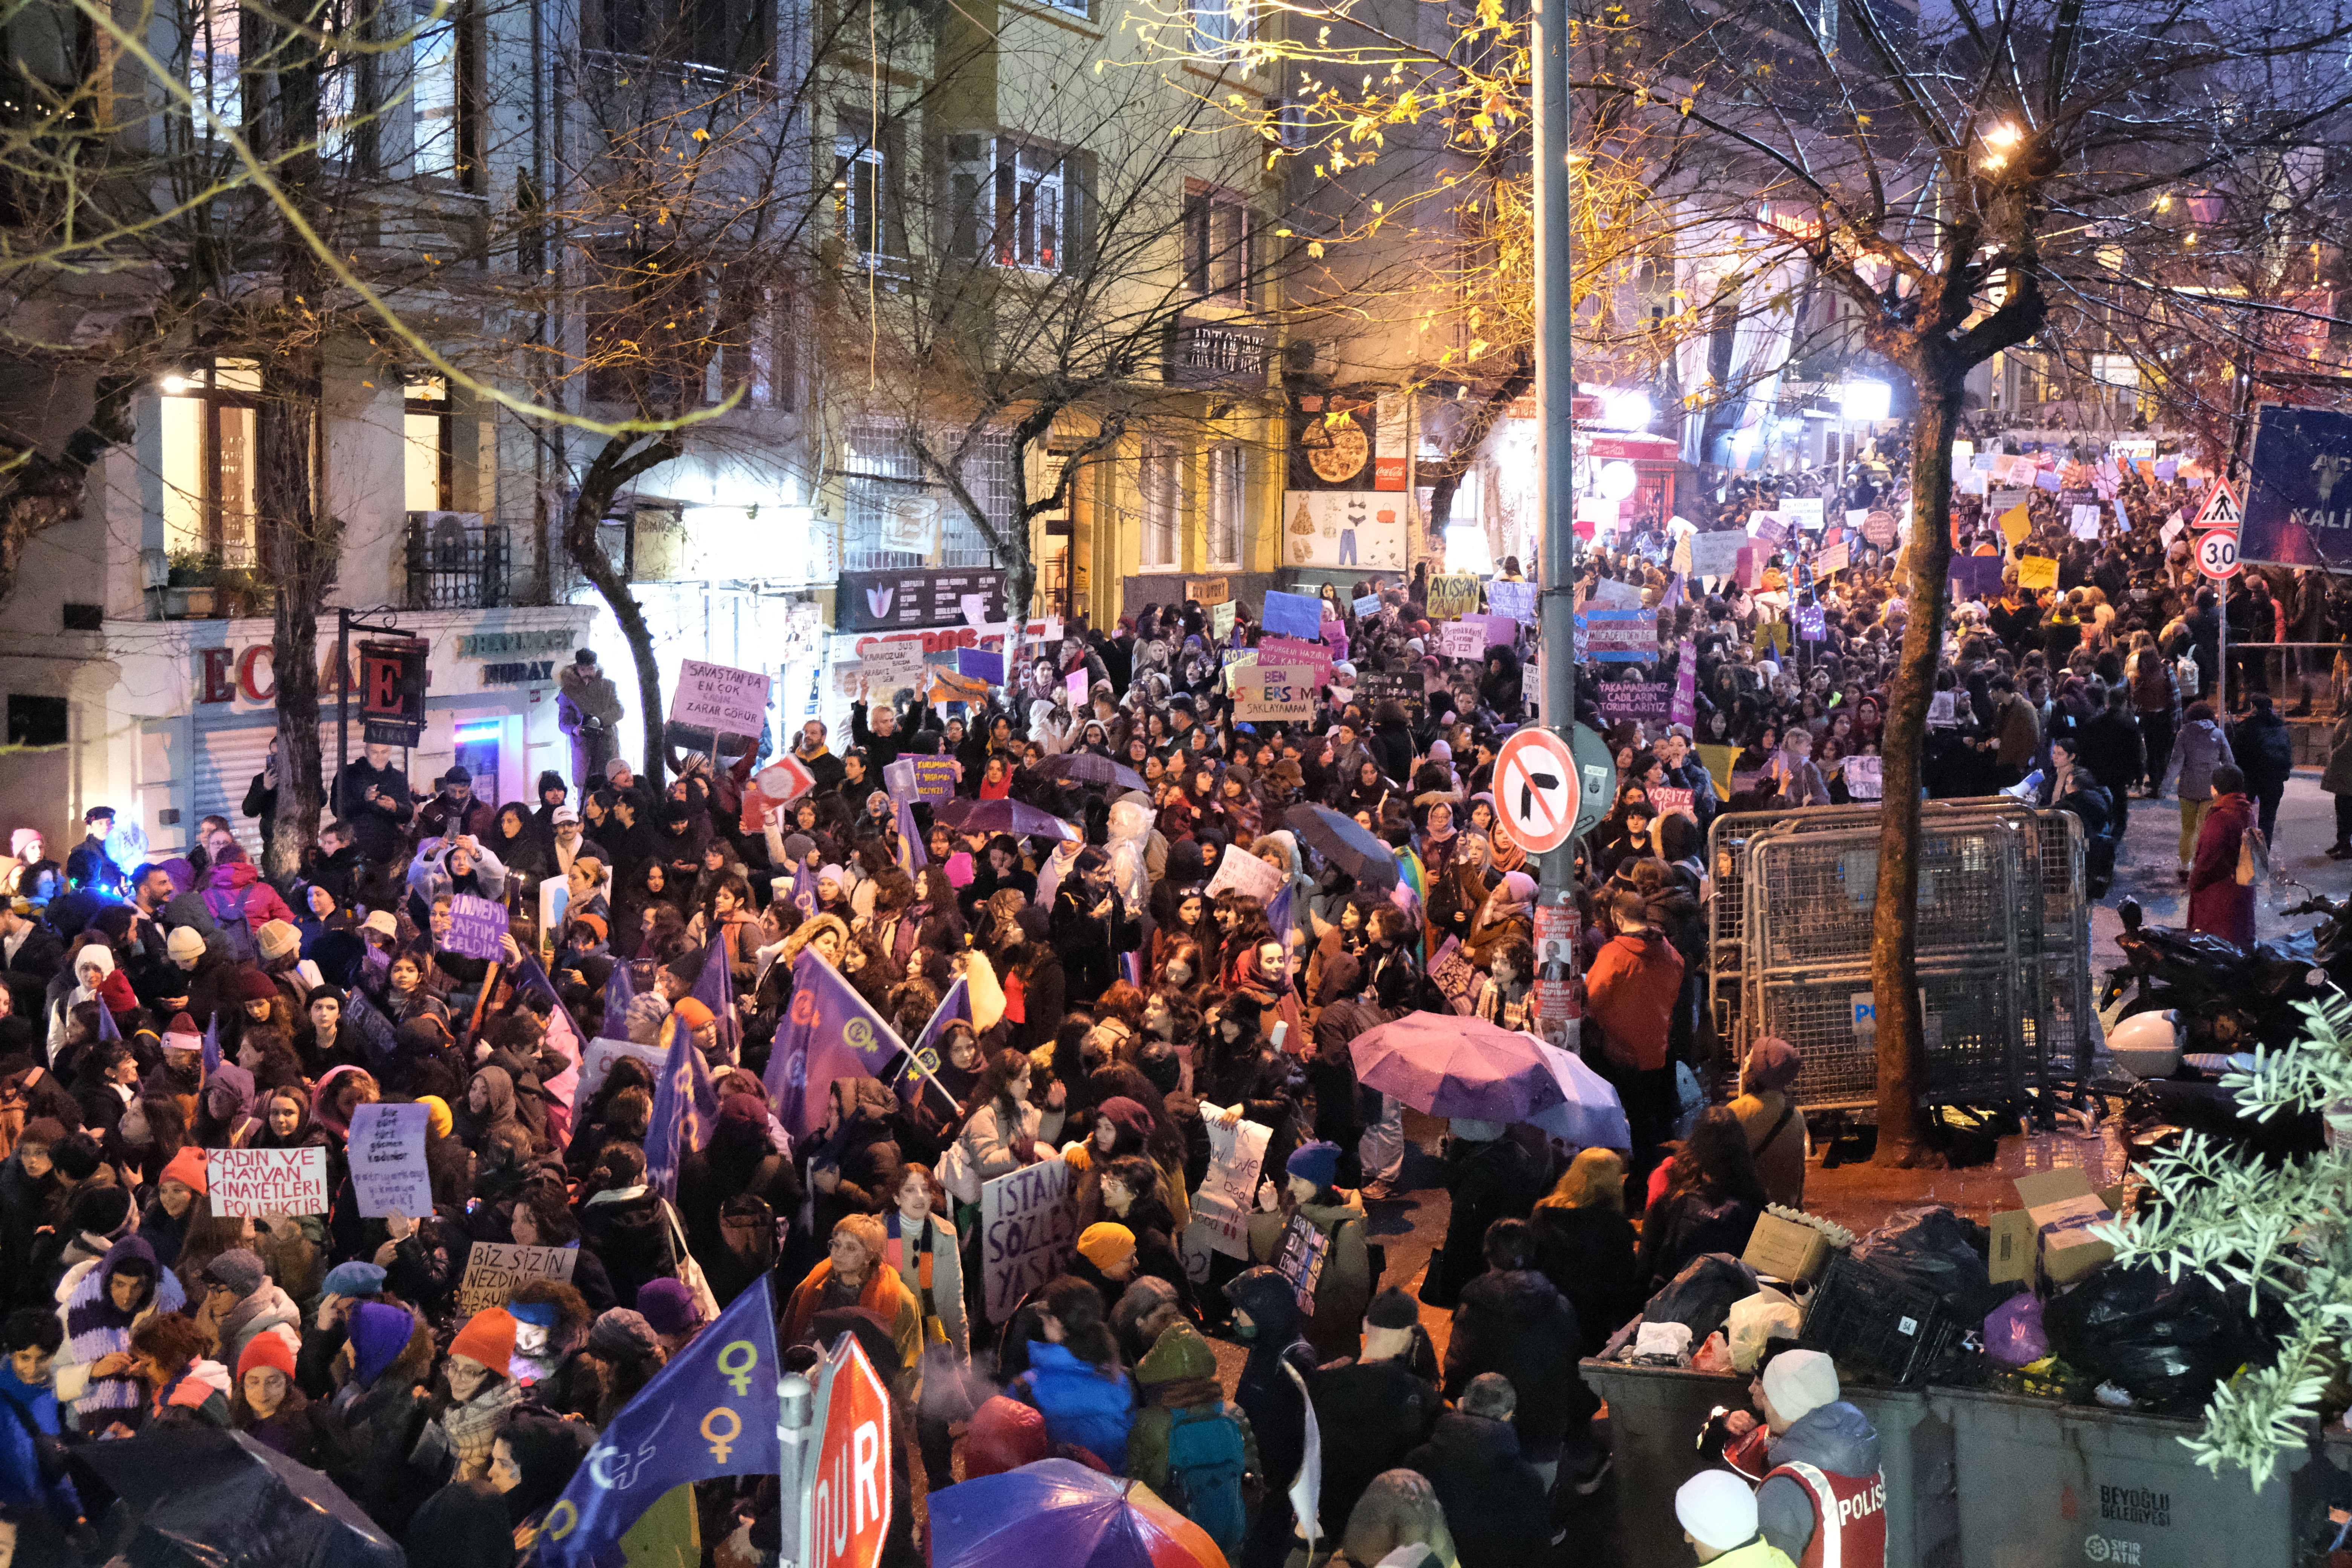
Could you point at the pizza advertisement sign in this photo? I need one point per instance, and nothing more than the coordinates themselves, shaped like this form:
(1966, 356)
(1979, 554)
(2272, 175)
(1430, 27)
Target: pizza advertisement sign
(1333, 443)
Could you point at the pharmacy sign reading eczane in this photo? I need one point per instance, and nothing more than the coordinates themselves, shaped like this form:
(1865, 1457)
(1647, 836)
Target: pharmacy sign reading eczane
(715, 698)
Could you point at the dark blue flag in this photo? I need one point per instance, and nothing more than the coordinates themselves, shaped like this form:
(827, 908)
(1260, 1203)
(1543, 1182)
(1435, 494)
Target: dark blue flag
(711, 1412)
(686, 1108)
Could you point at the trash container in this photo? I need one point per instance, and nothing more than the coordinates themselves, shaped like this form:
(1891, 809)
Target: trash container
(1655, 1414)
(2044, 1485)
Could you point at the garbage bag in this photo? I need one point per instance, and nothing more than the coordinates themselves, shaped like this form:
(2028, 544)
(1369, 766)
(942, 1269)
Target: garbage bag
(1754, 1322)
(2013, 1333)
(2166, 1341)
(1701, 1294)
(1934, 1248)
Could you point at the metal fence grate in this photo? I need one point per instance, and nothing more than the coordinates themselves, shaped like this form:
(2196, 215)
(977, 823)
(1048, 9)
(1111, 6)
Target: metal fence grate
(879, 465)
(458, 565)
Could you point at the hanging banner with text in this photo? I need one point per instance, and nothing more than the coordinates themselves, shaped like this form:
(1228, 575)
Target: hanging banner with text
(266, 1181)
(1028, 1230)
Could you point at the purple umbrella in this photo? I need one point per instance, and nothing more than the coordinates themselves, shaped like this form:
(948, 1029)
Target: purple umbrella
(1060, 1511)
(1002, 817)
(1449, 1065)
(1085, 767)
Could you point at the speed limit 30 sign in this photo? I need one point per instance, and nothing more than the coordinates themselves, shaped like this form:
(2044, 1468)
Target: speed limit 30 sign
(2217, 554)
(1536, 788)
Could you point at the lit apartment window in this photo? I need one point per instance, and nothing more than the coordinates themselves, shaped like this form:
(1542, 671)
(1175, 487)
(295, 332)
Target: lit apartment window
(1009, 201)
(1225, 505)
(1216, 246)
(868, 220)
(207, 429)
(1161, 484)
(431, 457)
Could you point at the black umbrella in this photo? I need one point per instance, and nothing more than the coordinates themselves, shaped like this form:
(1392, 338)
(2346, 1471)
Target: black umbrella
(1338, 840)
(1085, 767)
(227, 1501)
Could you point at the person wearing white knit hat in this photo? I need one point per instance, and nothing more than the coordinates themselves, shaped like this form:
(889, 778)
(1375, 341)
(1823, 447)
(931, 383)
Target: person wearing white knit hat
(1717, 1513)
(1825, 1488)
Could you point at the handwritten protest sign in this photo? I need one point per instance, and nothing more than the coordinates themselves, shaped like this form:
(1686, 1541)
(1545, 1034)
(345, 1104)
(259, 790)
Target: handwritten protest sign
(1265, 692)
(1315, 655)
(888, 666)
(1804, 511)
(1221, 619)
(1370, 605)
(1833, 559)
(603, 1053)
(1517, 600)
(1865, 777)
(1246, 875)
(2035, 571)
(475, 927)
(1453, 596)
(493, 1269)
(1462, 639)
(1715, 555)
(388, 1159)
(1221, 1209)
(1667, 801)
(266, 1181)
(1028, 1230)
(715, 696)
(369, 1019)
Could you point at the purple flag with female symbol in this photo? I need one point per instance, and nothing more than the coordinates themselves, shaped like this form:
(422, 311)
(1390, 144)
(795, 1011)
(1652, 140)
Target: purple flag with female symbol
(685, 1109)
(828, 1032)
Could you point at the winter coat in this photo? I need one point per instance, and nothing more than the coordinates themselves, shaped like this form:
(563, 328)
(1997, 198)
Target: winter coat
(1494, 1500)
(234, 890)
(31, 1463)
(628, 1227)
(367, 1433)
(1264, 1393)
(883, 1294)
(96, 1328)
(1085, 1406)
(292, 1429)
(376, 828)
(1179, 1373)
(585, 701)
(1371, 1415)
(1344, 1289)
(1680, 1227)
(1516, 1322)
(1837, 1438)
(1629, 993)
(1587, 1253)
(2264, 747)
(1489, 1182)
(268, 1311)
(907, 1255)
(2337, 779)
(991, 1148)
(2200, 749)
(2217, 903)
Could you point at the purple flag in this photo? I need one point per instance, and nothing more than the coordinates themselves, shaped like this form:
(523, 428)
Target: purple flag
(713, 988)
(912, 857)
(917, 1080)
(804, 889)
(686, 1108)
(620, 990)
(828, 1032)
(107, 1029)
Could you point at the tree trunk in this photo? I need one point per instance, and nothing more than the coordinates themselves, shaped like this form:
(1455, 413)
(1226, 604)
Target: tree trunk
(300, 545)
(1894, 920)
(613, 468)
(1469, 441)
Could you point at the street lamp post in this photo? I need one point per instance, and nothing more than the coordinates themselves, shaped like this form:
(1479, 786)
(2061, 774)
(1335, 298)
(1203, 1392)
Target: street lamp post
(1555, 397)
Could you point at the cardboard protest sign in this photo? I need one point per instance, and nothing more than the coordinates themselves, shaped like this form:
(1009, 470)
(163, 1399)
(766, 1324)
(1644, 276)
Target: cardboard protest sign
(1370, 605)
(387, 1153)
(493, 1269)
(1315, 655)
(1028, 1231)
(266, 1181)
(2016, 523)
(1610, 594)
(2036, 571)
(1878, 528)
(1943, 712)
(1292, 614)
(1221, 1209)
(1450, 971)
(717, 697)
(1517, 600)
(1462, 639)
(475, 927)
(1804, 511)
(1667, 801)
(980, 665)
(602, 1054)
(1247, 875)
(1715, 555)
(1221, 619)
(1767, 527)
(888, 665)
(1865, 777)
(1833, 559)
(369, 1019)
(1269, 692)
(1451, 597)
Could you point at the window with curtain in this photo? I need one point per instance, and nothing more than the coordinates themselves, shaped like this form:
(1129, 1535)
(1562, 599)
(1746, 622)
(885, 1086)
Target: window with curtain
(1160, 486)
(1225, 504)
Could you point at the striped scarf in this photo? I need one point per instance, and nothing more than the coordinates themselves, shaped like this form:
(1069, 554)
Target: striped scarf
(95, 1328)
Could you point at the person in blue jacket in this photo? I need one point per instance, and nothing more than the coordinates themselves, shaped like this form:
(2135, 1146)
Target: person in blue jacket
(1075, 1378)
(32, 1465)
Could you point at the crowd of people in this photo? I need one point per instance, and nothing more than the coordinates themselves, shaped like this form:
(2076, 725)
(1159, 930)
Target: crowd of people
(1125, 1001)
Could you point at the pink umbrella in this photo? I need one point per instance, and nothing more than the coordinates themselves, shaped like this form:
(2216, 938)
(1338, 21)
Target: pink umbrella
(1449, 1066)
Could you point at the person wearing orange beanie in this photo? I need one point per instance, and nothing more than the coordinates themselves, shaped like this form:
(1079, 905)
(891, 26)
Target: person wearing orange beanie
(268, 1403)
(165, 1219)
(480, 1376)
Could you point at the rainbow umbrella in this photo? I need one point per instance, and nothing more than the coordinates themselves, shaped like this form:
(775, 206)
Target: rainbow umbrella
(1061, 1512)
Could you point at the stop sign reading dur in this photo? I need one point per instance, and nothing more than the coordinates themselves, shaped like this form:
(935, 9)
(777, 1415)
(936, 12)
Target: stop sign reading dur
(847, 1503)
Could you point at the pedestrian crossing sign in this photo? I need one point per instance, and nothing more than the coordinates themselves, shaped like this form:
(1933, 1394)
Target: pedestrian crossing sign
(2221, 509)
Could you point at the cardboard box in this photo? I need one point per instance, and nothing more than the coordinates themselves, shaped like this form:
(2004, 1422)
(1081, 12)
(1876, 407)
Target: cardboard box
(1783, 1249)
(2062, 1207)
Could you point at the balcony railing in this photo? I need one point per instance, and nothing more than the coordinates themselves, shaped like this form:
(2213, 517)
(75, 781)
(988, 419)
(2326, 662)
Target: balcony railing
(457, 561)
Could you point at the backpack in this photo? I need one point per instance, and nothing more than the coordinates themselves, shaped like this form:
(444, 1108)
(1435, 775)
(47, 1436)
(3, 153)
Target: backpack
(2151, 684)
(1206, 1461)
(238, 932)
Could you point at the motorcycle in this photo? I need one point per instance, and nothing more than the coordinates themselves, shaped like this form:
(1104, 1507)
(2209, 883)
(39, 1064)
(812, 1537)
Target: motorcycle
(2226, 996)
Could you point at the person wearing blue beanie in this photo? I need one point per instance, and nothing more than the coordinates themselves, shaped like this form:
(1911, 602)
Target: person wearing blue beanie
(1310, 1200)
(353, 1280)
(1317, 1164)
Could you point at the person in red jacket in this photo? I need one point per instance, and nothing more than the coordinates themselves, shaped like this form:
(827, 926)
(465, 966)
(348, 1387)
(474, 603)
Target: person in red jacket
(1629, 1001)
(2218, 903)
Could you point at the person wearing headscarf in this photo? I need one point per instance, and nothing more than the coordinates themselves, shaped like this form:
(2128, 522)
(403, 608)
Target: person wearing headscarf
(1775, 1127)
(488, 1110)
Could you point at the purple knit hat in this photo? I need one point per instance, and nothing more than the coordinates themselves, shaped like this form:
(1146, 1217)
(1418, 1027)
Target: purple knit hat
(380, 1332)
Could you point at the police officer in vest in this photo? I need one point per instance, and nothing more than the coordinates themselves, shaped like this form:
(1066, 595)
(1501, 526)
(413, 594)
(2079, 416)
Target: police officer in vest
(1822, 1499)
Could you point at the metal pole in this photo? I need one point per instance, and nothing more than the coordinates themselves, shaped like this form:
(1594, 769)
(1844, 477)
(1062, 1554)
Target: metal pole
(794, 1399)
(1555, 397)
(342, 705)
